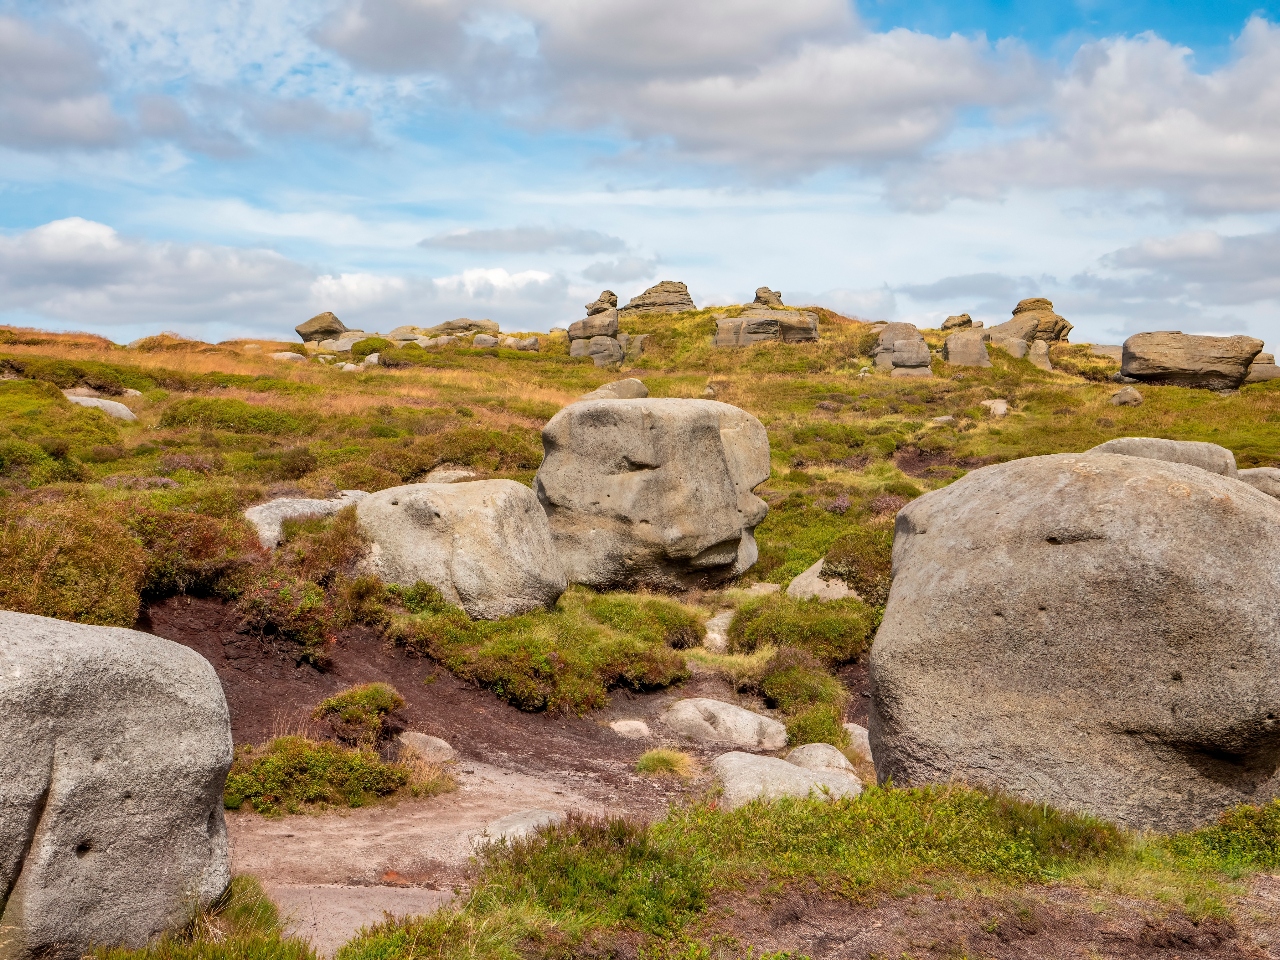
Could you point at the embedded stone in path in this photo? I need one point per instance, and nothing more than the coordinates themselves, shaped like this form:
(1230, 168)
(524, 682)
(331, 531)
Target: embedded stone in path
(717, 637)
(631, 729)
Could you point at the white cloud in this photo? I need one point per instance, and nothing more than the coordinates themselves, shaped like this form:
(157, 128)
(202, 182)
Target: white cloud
(527, 240)
(621, 270)
(52, 91)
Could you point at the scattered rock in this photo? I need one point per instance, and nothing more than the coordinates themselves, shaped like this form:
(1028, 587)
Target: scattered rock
(1013, 346)
(112, 828)
(429, 748)
(460, 326)
(910, 353)
(517, 826)
(323, 326)
(631, 729)
(608, 300)
(746, 777)
(268, 518)
(484, 340)
(768, 298)
(714, 721)
(819, 756)
(997, 408)
(669, 296)
(529, 345)
(288, 356)
(810, 586)
(901, 350)
(629, 389)
(1033, 319)
(960, 322)
(484, 545)
(604, 351)
(1091, 631)
(345, 342)
(653, 493)
(944, 421)
(717, 635)
(1206, 456)
(130, 392)
(372, 360)
(349, 368)
(1038, 354)
(967, 348)
(448, 473)
(1182, 360)
(1266, 479)
(1128, 397)
(859, 739)
(890, 334)
(603, 324)
(1263, 369)
(112, 408)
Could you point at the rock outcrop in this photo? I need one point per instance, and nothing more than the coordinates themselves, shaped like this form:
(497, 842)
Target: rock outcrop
(746, 777)
(714, 721)
(484, 544)
(1206, 456)
(602, 350)
(669, 296)
(597, 336)
(323, 326)
(768, 298)
(112, 408)
(116, 748)
(1038, 354)
(968, 348)
(268, 518)
(760, 324)
(1092, 631)
(1184, 360)
(1266, 479)
(601, 324)
(653, 492)
(901, 350)
(959, 322)
(608, 300)
(1032, 319)
(1263, 369)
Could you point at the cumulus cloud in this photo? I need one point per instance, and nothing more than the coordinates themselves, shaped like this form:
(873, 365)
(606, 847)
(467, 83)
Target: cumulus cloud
(527, 240)
(52, 91)
(85, 274)
(621, 270)
(1134, 114)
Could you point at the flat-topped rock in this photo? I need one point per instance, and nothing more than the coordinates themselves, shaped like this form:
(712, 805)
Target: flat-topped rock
(961, 321)
(601, 324)
(112, 408)
(1206, 456)
(323, 326)
(1184, 360)
(669, 296)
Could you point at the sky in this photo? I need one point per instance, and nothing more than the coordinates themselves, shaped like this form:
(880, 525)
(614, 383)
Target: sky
(230, 169)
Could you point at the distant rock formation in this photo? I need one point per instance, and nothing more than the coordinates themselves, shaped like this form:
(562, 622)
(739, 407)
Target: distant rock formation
(959, 322)
(902, 351)
(608, 300)
(1184, 360)
(323, 326)
(759, 324)
(597, 336)
(669, 296)
(768, 298)
(1033, 319)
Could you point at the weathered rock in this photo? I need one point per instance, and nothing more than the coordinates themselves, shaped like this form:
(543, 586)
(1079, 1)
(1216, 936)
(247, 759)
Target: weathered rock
(578, 348)
(1014, 346)
(323, 326)
(345, 342)
(631, 729)
(288, 356)
(819, 756)
(669, 296)
(608, 300)
(768, 298)
(112, 408)
(739, 332)
(966, 349)
(604, 351)
(429, 748)
(746, 777)
(116, 748)
(484, 545)
(653, 492)
(1128, 397)
(517, 826)
(890, 335)
(268, 518)
(717, 636)
(714, 721)
(859, 739)
(602, 324)
(1266, 479)
(629, 389)
(1262, 369)
(372, 360)
(484, 340)
(1093, 631)
(1182, 360)
(1206, 456)
(997, 408)
(960, 322)
(1033, 319)
(460, 326)
(810, 586)
(529, 344)
(1038, 354)
(635, 345)
(910, 353)
(449, 473)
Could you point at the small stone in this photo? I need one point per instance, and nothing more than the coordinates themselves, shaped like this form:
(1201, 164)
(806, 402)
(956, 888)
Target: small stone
(631, 729)
(429, 748)
(516, 826)
(372, 360)
(810, 586)
(484, 340)
(746, 777)
(997, 408)
(717, 638)
(287, 355)
(859, 739)
(945, 421)
(349, 368)
(1128, 397)
(819, 756)
(112, 408)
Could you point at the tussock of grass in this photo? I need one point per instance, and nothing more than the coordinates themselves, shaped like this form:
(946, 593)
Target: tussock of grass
(359, 714)
(834, 631)
(665, 763)
(243, 925)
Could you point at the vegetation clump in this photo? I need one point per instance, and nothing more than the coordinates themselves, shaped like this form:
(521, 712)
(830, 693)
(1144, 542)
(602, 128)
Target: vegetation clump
(863, 559)
(833, 632)
(359, 714)
(663, 762)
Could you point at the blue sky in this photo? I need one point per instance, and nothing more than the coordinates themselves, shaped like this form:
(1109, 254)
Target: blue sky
(231, 169)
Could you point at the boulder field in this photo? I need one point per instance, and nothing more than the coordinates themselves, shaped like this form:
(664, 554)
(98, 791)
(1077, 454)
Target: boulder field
(1093, 631)
(115, 752)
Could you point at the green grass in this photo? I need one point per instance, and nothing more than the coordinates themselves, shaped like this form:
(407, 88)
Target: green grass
(665, 763)
(833, 631)
(359, 714)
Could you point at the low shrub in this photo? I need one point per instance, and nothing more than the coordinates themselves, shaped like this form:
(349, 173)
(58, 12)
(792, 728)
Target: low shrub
(281, 606)
(834, 631)
(1079, 359)
(359, 714)
(655, 619)
(665, 763)
(192, 553)
(290, 774)
(363, 348)
(811, 700)
(321, 549)
(863, 558)
(228, 413)
(69, 561)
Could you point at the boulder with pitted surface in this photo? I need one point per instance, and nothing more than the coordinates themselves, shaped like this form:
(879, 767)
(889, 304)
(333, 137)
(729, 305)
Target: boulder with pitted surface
(1183, 360)
(653, 492)
(1093, 631)
(115, 751)
(483, 544)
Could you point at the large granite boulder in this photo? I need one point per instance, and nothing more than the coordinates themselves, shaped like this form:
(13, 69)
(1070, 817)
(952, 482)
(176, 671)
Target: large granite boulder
(115, 750)
(608, 300)
(1206, 456)
(653, 492)
(1032, 319)
(968, 348)
(669, 296)
(484, 544)
(323, 326)
(1184, 360)
(1092, 631)
(603, 323)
